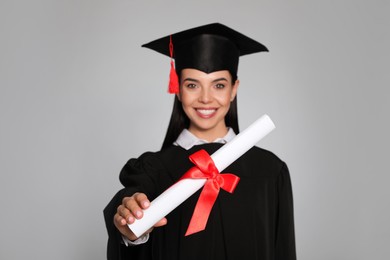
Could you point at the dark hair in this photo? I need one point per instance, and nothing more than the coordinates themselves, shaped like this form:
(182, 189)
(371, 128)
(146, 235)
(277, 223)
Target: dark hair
(179, 120)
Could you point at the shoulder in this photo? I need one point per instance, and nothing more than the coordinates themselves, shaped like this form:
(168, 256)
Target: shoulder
(144, 160)
(141, 168)
(153, 160)
(265, 154)
(264, 160)
(160, 168)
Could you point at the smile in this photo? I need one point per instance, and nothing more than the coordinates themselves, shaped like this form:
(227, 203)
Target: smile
(206, 113)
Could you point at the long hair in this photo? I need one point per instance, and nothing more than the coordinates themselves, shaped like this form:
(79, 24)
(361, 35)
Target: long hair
(179, 121)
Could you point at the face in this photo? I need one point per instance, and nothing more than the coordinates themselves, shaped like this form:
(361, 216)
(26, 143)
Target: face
(206, 100)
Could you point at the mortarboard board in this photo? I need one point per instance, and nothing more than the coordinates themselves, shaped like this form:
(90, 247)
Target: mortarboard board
(207, 48)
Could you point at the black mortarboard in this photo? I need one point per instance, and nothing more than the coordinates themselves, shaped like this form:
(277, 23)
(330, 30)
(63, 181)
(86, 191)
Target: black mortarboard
(208, 48)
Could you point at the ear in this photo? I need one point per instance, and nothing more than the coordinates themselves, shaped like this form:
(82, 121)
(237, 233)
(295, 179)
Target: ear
(234, 89)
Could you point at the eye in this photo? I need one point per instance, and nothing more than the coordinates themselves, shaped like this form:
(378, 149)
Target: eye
(220, 86)
(191, 85)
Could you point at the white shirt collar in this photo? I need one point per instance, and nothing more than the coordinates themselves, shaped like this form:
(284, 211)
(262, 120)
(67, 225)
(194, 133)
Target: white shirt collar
(187, 140)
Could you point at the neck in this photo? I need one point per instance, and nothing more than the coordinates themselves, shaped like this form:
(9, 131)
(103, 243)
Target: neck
(209, 135)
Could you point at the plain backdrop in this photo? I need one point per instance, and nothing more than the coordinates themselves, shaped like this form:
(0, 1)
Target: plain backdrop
(79, 97)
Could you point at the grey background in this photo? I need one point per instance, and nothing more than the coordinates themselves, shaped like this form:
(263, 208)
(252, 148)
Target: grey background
(79, 96)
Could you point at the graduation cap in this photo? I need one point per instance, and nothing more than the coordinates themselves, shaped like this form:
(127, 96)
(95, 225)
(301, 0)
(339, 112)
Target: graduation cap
(207, 48)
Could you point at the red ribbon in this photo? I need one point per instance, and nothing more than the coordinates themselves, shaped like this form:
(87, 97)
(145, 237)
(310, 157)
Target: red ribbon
(205, 169)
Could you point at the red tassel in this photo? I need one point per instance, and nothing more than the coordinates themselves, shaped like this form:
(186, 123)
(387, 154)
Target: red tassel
(173, 80)
(173, 87)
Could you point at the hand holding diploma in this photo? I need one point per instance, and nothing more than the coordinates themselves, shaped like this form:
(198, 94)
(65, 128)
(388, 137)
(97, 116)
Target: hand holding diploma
(153, 215)
(131, 209)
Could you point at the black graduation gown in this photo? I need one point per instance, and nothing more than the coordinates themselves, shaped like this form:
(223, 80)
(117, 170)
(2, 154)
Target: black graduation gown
(255, 222)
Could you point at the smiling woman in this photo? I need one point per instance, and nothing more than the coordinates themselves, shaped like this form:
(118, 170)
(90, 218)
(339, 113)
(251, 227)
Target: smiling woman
(206, 100)
(256, 222)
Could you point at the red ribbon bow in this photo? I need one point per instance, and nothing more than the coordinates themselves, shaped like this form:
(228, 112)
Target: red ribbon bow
(205, 169)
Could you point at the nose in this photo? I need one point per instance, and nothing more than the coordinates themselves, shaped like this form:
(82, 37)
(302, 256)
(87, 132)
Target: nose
(205, 96)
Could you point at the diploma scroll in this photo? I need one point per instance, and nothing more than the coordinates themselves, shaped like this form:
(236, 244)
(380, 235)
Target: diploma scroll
(183, 189)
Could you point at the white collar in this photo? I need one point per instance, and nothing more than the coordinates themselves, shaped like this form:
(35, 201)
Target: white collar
(187, 140)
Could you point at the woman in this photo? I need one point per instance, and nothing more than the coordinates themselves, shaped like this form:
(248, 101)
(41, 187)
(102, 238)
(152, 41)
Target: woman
(256, 221)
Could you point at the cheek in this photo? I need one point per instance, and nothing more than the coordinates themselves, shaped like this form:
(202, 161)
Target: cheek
(225, 99)
(186, 99)
(189, 97)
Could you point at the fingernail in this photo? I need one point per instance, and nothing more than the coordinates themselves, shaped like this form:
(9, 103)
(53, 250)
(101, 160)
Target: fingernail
(146, 204)
(139, 214)
(130, 219)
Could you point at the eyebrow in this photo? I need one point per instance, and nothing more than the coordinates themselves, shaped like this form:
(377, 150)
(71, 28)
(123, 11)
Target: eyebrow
(215, 80)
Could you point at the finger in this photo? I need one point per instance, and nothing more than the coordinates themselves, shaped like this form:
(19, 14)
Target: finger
(142, 200)
(131, 204)
(162, 222)
(125, 214)
(123, 229)
(119, 220)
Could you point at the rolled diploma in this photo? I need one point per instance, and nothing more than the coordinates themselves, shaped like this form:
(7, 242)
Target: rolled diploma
(183, 189)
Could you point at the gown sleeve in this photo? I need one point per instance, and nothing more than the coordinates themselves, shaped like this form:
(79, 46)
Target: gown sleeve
(285, 235)
(138, 175)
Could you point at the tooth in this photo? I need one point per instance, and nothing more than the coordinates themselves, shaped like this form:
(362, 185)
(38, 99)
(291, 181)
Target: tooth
(206, 111)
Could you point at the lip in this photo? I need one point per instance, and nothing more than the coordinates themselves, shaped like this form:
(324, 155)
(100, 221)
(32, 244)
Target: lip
(206, 113)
